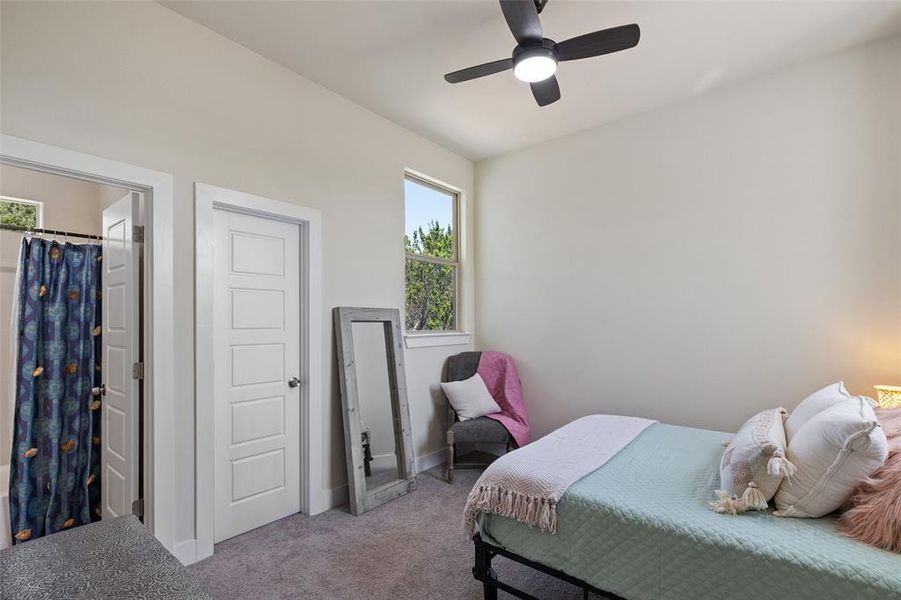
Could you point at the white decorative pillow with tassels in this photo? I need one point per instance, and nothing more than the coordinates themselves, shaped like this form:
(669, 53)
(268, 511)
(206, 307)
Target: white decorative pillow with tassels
(836, 451)
(754, 463)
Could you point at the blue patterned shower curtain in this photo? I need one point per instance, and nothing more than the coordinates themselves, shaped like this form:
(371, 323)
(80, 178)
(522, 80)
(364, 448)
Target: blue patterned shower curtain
(55, 464)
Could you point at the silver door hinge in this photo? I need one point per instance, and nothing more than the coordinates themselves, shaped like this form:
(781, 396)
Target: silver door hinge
(137, 233)
(137, 370)
(137, 507)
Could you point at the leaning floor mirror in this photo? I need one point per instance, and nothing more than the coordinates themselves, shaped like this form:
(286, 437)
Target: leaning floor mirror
(377, 434)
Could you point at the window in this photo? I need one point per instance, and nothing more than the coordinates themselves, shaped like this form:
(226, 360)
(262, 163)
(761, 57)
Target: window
(21, 213)
(432, 263)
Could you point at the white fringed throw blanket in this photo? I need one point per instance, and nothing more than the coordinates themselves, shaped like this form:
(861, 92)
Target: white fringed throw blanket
(527, 483)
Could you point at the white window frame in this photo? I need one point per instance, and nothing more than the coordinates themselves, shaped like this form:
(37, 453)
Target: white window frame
(456, 194)
(38, 203)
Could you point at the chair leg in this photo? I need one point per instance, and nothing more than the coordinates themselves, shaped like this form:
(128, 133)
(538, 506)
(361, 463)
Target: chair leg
(449, 470)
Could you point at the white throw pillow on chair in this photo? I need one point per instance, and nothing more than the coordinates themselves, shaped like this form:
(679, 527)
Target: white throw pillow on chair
(470, 398)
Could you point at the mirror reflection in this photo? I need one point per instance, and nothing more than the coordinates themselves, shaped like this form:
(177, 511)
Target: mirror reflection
(381, 462)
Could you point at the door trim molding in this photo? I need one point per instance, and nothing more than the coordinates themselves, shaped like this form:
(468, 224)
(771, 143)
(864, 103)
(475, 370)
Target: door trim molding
(159, 306)
(206, 199)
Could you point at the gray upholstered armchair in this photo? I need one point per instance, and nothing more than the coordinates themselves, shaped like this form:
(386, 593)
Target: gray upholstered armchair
(473, 431)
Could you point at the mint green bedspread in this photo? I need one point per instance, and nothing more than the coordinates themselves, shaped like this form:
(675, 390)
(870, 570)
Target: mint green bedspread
(640, 527)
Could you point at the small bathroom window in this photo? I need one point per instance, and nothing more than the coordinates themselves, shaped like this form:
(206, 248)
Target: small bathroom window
(21, 213)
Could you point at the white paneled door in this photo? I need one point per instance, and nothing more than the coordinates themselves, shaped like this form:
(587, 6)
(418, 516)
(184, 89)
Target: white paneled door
(121, 339)
(256, 340)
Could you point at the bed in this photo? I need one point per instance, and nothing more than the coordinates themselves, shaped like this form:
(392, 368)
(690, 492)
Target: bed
(640, 528)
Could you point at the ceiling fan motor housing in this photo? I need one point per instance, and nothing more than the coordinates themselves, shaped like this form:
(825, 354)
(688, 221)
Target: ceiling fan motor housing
(547, 47)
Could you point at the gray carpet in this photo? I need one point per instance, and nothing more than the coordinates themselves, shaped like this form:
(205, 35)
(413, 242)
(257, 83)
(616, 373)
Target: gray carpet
(411, 548)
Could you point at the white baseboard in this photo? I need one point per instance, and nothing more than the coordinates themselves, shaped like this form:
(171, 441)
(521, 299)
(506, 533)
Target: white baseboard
(186, 552)
(432, 459)
(333, 498)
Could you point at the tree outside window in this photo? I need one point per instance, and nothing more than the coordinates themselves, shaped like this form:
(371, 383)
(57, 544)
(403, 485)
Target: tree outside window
(21, 213)
(432, 263)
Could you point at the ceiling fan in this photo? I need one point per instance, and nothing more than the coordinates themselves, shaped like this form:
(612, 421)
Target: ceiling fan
(535, 57)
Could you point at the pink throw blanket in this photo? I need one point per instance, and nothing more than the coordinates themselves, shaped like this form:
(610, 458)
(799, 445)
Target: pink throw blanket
(502, 380)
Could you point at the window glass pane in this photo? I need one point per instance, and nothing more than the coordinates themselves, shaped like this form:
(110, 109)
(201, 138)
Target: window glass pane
(431, 296)
(18, 213)
(429, 216)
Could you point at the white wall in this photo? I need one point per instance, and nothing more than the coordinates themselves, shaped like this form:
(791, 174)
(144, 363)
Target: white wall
(701, 262)
(69, 205)
(137, 83)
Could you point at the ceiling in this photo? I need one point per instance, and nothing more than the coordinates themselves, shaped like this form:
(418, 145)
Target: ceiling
(390, 56)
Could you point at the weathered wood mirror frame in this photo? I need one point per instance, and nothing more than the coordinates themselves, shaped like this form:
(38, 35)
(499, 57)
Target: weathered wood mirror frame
(361, 499)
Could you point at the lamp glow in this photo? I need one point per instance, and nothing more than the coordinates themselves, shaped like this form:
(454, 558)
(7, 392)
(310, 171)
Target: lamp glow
(535, 68)
(889, 396)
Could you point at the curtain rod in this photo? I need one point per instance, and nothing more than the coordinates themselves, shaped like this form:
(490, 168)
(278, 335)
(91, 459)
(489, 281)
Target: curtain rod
(19, 228)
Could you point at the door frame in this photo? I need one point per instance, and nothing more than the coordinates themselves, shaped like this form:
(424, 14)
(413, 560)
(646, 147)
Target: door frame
(159, 325)
(208, 198)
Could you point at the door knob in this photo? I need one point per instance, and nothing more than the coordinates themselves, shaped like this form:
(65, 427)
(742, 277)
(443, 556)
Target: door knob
(294, 382)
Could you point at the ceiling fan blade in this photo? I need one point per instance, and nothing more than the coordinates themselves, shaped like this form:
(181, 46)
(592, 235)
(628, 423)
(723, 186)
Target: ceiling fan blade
(479, 71)
(599, 42)
(522, 18)
(546, 91)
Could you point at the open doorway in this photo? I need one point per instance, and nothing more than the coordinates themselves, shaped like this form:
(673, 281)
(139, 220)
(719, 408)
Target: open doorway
(71, 310)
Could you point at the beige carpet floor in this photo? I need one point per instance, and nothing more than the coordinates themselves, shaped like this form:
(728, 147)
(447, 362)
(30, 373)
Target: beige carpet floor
(411, 548)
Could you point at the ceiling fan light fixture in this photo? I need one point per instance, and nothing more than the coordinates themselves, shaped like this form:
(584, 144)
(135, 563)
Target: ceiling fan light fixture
(534, 66)
(535, 57)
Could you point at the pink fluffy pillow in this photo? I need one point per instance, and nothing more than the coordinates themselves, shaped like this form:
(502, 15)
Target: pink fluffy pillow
(874, 510)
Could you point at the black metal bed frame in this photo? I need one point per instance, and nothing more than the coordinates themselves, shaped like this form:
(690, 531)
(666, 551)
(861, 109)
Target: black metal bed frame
(482, 571)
